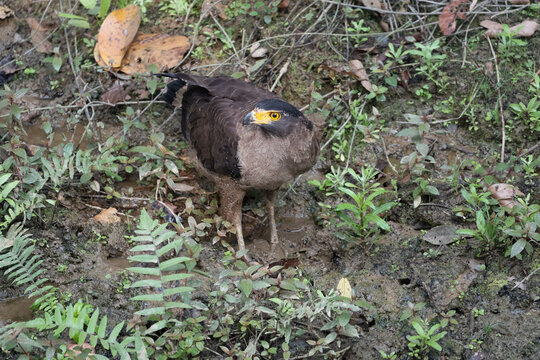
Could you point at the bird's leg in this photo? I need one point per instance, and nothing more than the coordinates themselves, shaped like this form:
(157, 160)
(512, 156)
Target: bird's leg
(231, 209)
(270, 202)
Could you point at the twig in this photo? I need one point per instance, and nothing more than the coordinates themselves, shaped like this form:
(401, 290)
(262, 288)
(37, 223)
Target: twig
(353, 135)
(525, 279)
(529, 150)
(386, 155)
(503, 130)
(282, 72)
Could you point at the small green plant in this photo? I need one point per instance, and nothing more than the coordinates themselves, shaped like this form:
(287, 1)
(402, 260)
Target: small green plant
(61, 268)
(12, 98)
(426, 337)
(529, 113)
(332, 180)
(478, 312)
(55, 60)
(530, 164)
(357, 29)
(417, 160)
(175, 7)
(423, 188)
(431, 63)
(523, 224)
(362, 217)
(391, 356)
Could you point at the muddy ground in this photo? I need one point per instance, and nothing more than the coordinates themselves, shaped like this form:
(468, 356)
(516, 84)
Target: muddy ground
(87, 259)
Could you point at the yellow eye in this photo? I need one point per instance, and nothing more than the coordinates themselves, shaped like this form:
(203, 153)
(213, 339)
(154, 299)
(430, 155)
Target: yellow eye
(275, 116)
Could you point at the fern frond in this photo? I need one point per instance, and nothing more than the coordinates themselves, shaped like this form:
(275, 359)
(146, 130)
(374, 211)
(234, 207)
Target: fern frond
(22, 268)
(154, 241)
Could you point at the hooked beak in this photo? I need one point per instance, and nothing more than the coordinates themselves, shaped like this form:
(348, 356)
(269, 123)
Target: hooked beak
(248, 118)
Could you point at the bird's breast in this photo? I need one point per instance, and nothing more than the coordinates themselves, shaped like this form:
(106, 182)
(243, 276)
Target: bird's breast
(266, 162)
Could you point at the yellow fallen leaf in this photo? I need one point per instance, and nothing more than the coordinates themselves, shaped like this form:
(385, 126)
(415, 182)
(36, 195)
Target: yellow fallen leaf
(162, 50)
(115, 35)
(107, 216)
(344, 288)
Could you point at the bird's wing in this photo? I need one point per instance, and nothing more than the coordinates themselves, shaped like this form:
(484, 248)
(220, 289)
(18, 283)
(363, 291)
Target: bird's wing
(211, 124)
(226, 87)
(212, 112)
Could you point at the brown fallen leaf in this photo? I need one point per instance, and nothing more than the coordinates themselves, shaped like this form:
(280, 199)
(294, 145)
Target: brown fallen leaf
(357, 69)
(38, 35)
(5, 12)
(505, 194)
(520, 2)
(441, 235)
(447, 19)
(162, 50)
(374, 4)
(107, 216)
(115, 94)
(458, 286)
(116, 34)
(524, 29)
(283, 5)
(213, 7)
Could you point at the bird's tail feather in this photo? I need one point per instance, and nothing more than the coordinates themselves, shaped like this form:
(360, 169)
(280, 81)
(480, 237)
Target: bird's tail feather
(172, 96)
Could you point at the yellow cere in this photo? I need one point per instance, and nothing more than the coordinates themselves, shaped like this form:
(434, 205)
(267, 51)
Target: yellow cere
(265, 117)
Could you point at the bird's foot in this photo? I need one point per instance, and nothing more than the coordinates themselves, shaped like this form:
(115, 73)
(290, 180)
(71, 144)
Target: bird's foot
(281, 253)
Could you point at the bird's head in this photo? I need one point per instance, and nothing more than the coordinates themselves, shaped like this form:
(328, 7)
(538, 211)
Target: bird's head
(275, 116)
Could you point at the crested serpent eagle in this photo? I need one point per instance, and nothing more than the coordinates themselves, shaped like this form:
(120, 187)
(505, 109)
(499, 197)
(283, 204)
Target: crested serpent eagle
(242, 137)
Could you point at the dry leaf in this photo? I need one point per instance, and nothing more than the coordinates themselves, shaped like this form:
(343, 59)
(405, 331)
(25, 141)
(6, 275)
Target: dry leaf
(441, 235)
(115, 35)
(107, 216)
(344, 288)
(257, 51)
(38, 36)
(524, 29)
(520, 2)
(357, 68)
(447, 19)
(286, 263)
(214, 7)
(162, 50)
(373, 4)
(283, 5)
(505, 194)
(180, 187)
(5, 12)
(115, 94)
(458, 286)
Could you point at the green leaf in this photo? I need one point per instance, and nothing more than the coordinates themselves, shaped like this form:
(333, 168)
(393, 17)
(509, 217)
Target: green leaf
(80, 23)
(147, 282)
(4, 178)
(344, 318)
(432, 190)
(409, 132)
(151, 311)
(104, 6)
(518, 247)
(174, 261)
(89, 4)
(177, 290)
(7, 189)
(145, 271)
(144, 258)
(419, 330)
(247, 286)
(176, 277)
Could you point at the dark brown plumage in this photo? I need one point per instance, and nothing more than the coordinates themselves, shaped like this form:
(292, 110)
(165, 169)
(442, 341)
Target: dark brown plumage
(243, 138)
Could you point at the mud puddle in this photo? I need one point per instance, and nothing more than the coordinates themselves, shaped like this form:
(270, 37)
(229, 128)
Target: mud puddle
(16, 309)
